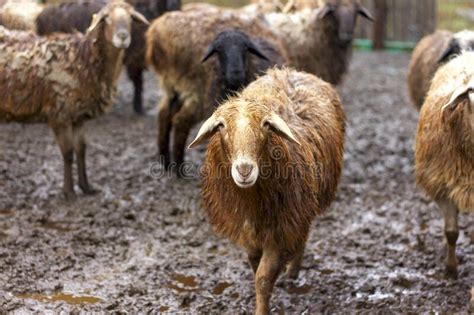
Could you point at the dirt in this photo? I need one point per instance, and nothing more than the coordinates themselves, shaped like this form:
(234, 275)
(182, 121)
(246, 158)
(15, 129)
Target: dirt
(144, 244)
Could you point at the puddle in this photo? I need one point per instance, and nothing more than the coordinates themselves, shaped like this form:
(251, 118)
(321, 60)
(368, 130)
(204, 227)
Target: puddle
(163, 309)
(304, 289)
(326, 271)
(220, 287)
(185, 283)
(60, 297)
(59, 226)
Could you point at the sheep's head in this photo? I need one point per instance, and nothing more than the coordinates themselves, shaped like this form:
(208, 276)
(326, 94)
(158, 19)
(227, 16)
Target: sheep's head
(462, 102)
(116, 22)
(243, 130)
(345, 12)
(232, 48)
(461, 42)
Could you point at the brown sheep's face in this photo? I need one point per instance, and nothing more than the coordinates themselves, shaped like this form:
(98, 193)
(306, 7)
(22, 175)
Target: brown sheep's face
(116, 19)
(345, 12)
(244, 135)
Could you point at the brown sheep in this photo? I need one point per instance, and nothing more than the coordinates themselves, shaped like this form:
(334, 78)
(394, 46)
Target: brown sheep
(445, 146)
(176, 43)
(76, 16)
(273, 163)
(432, 52)
(319, 41)
(66, 80)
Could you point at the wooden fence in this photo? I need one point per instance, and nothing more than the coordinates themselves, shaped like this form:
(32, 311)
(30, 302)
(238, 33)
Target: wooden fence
(407, 20)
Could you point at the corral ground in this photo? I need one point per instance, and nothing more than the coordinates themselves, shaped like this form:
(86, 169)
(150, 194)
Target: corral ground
(144, 244)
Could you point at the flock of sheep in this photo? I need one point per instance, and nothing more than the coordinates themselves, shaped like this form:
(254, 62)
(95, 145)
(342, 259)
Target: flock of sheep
(262, 77)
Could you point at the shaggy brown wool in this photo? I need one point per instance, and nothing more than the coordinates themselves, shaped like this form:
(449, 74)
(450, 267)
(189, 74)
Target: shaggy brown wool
(296, 181)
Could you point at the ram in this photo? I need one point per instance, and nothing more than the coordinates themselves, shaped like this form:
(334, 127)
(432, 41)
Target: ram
(75, 16)
(445, 146)
(176, 44)
(273, 162)
(319, 41)
(66, 80)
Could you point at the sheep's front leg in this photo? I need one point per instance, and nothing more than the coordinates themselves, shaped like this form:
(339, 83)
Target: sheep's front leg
(451, 232)
(294, 266)
(80, 150)
(135, 74)
(164, 130)
(183, 121)
(64, 138)
(267, 273)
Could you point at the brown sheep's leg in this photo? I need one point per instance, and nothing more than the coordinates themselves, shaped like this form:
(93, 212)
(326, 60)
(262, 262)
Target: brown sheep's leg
(267, 273)
(80, 150)
(136, 76)
(254, 256)
(183, 121)
(451, 232)
(295, 265)
(64, 138)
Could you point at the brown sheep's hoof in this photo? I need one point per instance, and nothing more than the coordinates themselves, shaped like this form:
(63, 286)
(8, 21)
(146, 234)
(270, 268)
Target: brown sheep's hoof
(70, 196)
(451, 272)
(89, 191)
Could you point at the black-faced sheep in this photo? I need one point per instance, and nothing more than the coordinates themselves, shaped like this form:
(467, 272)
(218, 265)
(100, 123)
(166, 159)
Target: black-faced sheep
(445, 146)
(176, 43)
(76, 16)
(273, 163)
(319, 41)
(432, 52)
(66, 80)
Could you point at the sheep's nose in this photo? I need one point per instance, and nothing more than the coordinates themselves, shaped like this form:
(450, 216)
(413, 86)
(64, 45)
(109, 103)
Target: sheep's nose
(123, 35)
(245, 170)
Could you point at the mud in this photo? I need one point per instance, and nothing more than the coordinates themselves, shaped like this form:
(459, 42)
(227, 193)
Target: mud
(144, 244)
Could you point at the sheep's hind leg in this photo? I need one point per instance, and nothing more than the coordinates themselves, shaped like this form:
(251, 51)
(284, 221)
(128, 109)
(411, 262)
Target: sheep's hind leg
(451, 232)
(265, 278)
(64, 138)
(80, 150)
(254, 256)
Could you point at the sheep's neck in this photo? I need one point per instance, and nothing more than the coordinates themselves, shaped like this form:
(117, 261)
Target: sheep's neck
(113, 63)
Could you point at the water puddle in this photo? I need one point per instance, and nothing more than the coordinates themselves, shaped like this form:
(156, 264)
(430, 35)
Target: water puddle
(184, 283)
(60, 226)
(220, 287)
(304, 289)
(60, 297)
(163, 309)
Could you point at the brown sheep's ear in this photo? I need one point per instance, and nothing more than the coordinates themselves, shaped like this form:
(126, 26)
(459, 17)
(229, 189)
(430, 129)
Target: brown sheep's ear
(211, 50)
(324, 11)
(96, 20)
(460, 95)
(139, 17)
(207, 129)
(279, 126)
(365, 13)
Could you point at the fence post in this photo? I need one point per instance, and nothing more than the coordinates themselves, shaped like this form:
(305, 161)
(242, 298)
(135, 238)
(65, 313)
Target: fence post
(379, 24)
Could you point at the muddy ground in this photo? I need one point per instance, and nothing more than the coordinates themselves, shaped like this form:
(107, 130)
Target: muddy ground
(144, 244)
